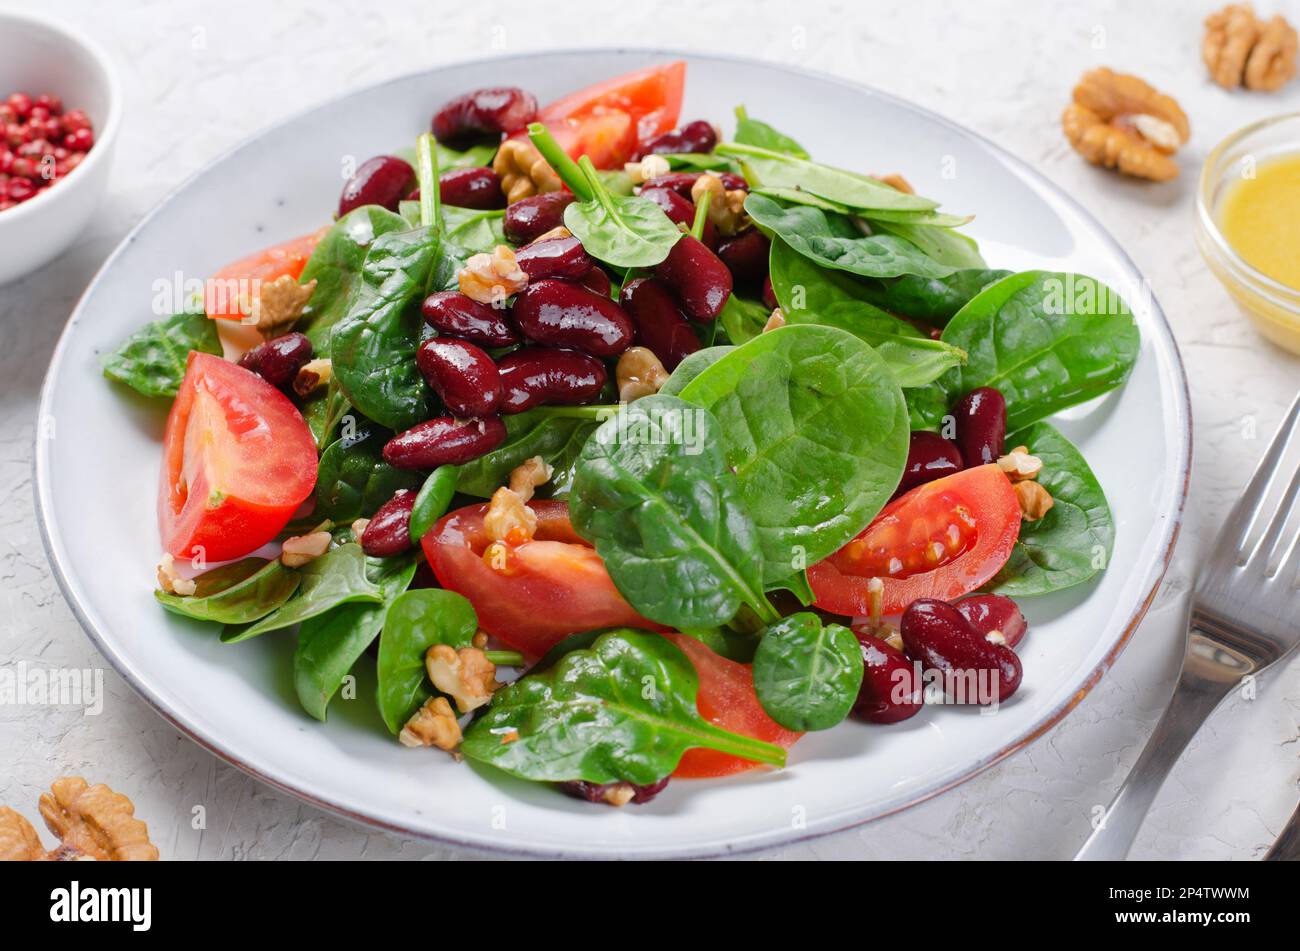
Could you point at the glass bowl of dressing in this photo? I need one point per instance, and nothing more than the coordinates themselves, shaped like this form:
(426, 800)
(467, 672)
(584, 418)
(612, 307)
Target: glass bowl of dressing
(1248, 223)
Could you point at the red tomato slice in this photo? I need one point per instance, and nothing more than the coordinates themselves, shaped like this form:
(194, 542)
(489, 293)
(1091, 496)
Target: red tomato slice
(726, 699)
(237, 461)
(231, 291)
(607, 120)
(941, 540)
(547, 589)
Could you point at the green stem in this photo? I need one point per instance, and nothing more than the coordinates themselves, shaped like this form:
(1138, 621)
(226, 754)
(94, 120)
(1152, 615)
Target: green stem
(559, 160)
(701, 215)
(598, 411)
(505, 658)
(766, 611)
(597, 188)
(739, 148)
(427, 159)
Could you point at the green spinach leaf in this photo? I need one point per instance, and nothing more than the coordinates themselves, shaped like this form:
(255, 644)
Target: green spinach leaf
(415, 621)
(622, 710)
(353, 479)
(939, 243)
(653, 494)
(323, 411)
(807, 674)
(152, 360)
(432, 500)
(691, 367)
(557, 439)
(931, 300)
(816, 430)
(621, 230)
(236, 593)
(755, 132)
(743, 319)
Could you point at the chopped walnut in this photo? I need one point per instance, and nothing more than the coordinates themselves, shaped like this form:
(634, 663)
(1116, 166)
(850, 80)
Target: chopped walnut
(359, 528)
(523, 171)
(639, 373)
(896, 182)
(300, 549)
(18, 840)
(95, 822)
(313, 374)
(434, 724)
(528, 475)
(279, 304)
(775, 320)
(1241, 50)
(1118, 121)
(726, 208)
(465, 675)
(559, 231)
(1019, 465)
(509, 519)
(652, 166)
(1035, 501)
(172, 583)
(480, 639)
(491, 278)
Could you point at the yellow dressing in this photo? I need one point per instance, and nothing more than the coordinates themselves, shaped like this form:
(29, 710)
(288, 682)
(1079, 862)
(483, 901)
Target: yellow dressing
(1260, 218)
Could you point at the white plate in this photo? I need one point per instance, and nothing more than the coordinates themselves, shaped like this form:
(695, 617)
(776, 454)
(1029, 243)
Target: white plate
(97, 460)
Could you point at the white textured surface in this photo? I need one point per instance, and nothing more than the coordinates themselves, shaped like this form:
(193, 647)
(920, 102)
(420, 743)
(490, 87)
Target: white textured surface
(199, 76)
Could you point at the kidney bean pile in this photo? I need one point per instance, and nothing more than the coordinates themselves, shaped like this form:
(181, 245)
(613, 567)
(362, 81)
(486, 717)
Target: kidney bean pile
(41, 144)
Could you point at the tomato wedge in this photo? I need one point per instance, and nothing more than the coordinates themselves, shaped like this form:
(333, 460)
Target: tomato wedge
(237, 461)
(606, 121)
(941, 540)
(726, 699)
(548, 588)
(231, 291)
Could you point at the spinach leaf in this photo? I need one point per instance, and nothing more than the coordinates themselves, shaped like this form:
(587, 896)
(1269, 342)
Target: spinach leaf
(373, 346)
(415, 621)
(621, 230)
(152, 360)
(816, 430)
(693, 366)
(323, 411)
(557, 439)
(330, 644)
(473, 157)
(755, 132)
(742, 319)
(353, 479)
(1047, 340)
(1073, 541)
(654, 496)
(932, 300)
(471, 230)
(432, 500)
(809, 294)
(697, 161)
(807, 674)
(335, 265)
(941, 244)
(236, 593)
(765, 168)
(337, 577)
(622, 710)
(835, 243)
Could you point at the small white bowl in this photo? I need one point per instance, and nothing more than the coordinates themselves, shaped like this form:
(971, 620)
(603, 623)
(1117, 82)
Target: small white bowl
(39, 55)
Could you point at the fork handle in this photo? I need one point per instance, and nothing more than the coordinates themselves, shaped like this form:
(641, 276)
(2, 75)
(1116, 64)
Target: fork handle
(1193, 700)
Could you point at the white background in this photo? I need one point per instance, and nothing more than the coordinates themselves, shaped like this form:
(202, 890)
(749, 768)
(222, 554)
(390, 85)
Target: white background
(201, 76)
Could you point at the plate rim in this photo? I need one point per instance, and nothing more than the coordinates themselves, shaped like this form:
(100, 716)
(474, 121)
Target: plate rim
(1182, 410)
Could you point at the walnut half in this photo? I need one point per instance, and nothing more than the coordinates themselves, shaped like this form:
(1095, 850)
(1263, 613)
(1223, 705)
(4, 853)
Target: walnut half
(1118, 121)
(1240, 49)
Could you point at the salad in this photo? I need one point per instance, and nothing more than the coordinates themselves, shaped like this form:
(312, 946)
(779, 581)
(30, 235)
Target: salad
(625, 451)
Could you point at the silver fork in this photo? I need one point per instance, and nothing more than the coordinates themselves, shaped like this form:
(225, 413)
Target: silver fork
(1245, 615)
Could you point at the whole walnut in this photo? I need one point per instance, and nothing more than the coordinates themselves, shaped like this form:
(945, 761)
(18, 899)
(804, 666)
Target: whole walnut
(1119, 121)
(1240, 49)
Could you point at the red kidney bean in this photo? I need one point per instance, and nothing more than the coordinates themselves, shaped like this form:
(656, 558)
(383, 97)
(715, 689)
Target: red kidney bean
(929, 457)
(596, 280)
(681, 211)
(561, 314)
(597, 792)
(660, 326)
(681, 182)
(769, 295)
(383, 180)
(535, 376)
(471, 188)
(463, 376)
(994, 612)
(697, 136)
(444, 441)
(981, 425)
(746, 257)
(278, 360)
(890, 689)
(388, 531)
(700, 282)
(451, 312)
(484, 113)
(936, 634)
(530, 218)
(554, 257)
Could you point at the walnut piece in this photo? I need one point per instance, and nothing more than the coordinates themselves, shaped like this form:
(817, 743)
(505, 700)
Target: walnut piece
(491, 278)
(1118, 121)
(652, 166)
(434, 724)
(300, 549)
(528, 475)
(775, 320)
(1034, 500)
(726, 208)
(1240, 49)
(172, 583)
(639, 373)
(1019, 465)
(509, 519)
(312, 375)
(465, 675)
(523, 171)
(95, 822)
(896, 182)
(18, 840)
(279, 304)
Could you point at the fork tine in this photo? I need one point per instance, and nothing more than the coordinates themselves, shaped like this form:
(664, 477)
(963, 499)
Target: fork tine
(1280, 518)
(1248, 507)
